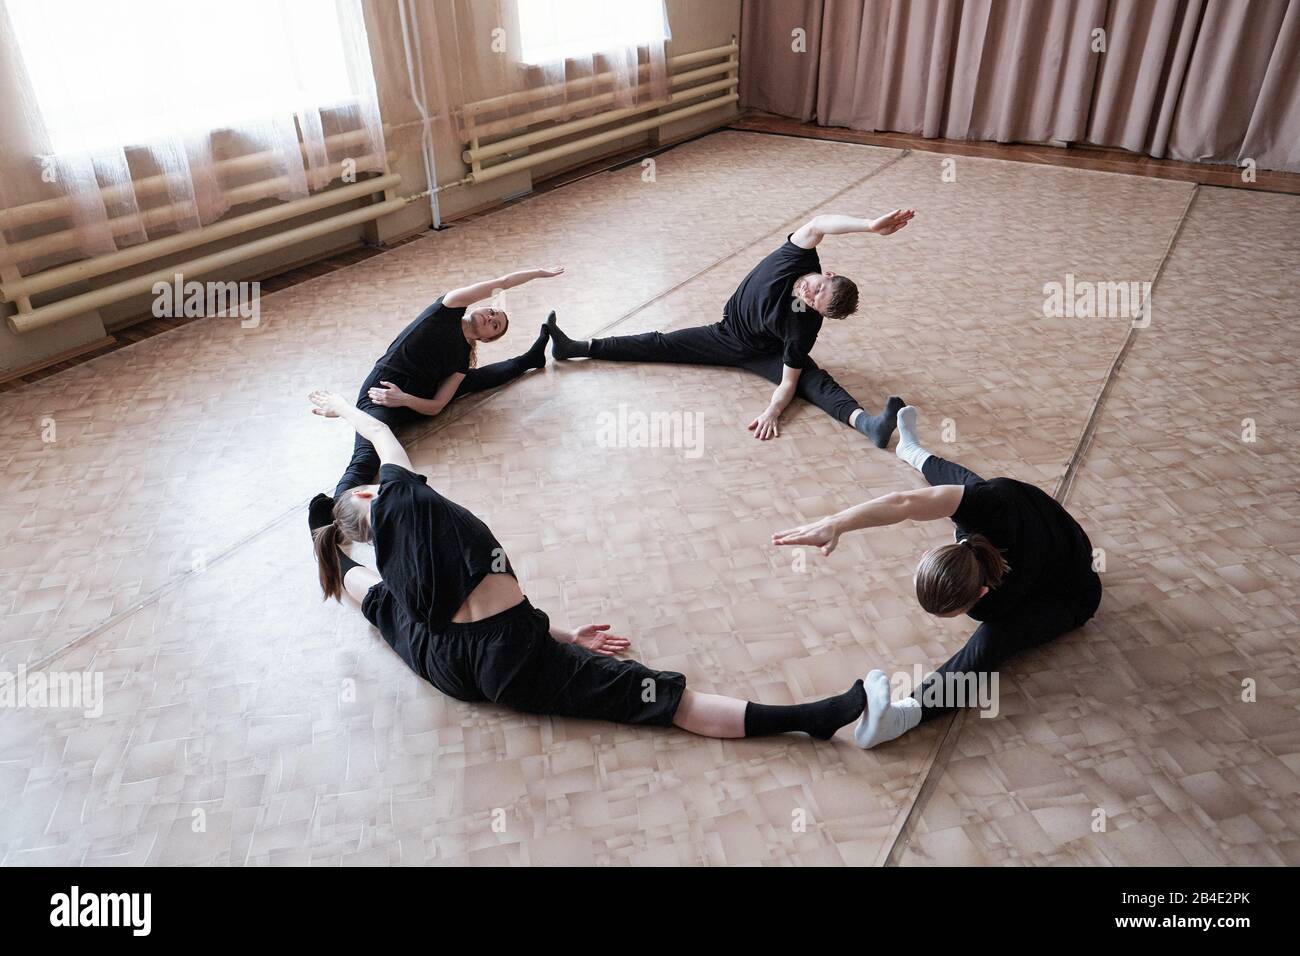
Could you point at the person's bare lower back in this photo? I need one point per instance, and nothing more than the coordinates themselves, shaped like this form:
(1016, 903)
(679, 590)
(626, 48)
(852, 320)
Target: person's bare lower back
(494, 594)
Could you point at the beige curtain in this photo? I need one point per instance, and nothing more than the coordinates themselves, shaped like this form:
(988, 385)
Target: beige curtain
(778, 66)
(1141, 77)
(1272, 136)
(1200, 80)
(96, 97)
(989, 69)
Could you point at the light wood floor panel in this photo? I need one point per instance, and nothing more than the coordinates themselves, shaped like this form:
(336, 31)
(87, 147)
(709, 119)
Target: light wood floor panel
(228, 693)
(1141, 714)
(169, 452)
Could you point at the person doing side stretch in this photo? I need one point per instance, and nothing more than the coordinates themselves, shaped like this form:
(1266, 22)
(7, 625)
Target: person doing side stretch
(446, 599)
(428, 364)
(769, 327)
(1021, 566)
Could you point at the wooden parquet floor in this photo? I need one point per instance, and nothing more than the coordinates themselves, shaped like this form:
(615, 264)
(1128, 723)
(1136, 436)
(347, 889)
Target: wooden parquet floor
(160, 541)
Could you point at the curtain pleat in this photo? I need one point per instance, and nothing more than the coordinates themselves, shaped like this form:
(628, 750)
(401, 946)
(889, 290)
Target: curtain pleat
(1225, 75)
(775, 75)
(1200, 80)
(1273, 132)
(1141, 75)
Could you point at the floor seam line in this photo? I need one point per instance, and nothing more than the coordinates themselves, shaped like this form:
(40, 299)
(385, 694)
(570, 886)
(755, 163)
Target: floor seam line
(439, 423)
(948, 739)
(1066, 484)
(737, 125)
(157, 593)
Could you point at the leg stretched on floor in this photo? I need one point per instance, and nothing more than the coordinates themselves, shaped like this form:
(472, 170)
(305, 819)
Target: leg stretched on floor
(712, 715)
(817, 387)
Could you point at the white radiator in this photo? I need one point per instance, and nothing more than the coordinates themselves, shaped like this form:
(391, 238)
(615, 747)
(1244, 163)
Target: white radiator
(516, 149)
(20, 290)
(687, 82)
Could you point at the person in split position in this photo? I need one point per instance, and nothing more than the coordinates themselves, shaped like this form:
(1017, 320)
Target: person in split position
(769, 327)
(1021, 565)
(446, 599)
(430, 363)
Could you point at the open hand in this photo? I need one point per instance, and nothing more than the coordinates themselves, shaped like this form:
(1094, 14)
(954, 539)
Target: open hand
(891, 222)
(390, 396)
(328, 405)
(819, 534)
(594, 638)
(550, 273)
(766, 425)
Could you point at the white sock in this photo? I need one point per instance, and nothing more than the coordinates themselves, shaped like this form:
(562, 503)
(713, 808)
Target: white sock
(883, 720)
(909, 449)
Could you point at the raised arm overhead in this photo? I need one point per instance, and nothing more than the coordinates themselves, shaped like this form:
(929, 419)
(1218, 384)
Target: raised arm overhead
(466, 296)
(817, 228)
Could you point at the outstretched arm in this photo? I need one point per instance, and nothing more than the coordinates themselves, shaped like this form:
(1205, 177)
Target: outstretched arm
(812, 232)
(923, 504)
(391, 452)
(767, 425)
(467, 295)
(593, 638)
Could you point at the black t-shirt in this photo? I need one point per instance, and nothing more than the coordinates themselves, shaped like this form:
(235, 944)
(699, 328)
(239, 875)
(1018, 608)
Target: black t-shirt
(431, 552)
(428, 350)
(762, 312)
(1043, 544)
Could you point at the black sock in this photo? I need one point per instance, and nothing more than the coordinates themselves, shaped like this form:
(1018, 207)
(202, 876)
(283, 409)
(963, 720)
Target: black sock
(820, 719)
(880, 427)
(563, 347)
(320, 513)
(535, 357)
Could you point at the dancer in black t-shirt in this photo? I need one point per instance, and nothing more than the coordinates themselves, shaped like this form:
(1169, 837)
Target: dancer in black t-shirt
(428, 364)
(769, 326)
(447, 601)
(1021, 566)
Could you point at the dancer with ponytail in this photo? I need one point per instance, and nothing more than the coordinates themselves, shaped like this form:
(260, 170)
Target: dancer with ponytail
(1021, 565)
(432, 362)
(446, 599)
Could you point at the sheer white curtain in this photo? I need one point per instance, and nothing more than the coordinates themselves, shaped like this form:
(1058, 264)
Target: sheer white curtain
(563, 52)
(97, 95)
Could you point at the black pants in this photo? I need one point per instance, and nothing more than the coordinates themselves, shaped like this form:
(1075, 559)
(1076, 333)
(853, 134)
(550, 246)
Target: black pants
(364, 465)
(1038, 620)
(715, 345)
(511, 659)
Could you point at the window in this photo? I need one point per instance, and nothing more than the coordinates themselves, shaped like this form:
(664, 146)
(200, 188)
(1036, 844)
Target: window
(118, 74)
(553, 30)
